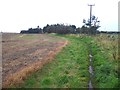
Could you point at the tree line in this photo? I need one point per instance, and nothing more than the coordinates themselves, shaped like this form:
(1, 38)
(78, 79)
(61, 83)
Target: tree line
(57, 28)
(89, 27)
(32, 30)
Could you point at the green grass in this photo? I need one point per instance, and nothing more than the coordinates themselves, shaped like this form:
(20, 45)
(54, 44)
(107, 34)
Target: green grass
(68, 69)
(70, 66)
(105, 67)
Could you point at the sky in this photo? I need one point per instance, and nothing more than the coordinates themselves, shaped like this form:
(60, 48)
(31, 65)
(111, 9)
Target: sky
(17, 15)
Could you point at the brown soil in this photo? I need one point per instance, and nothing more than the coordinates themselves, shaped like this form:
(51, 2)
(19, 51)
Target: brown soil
(24, 54)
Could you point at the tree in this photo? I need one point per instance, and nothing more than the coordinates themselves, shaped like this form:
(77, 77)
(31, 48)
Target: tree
(59, 28)
(91, 27)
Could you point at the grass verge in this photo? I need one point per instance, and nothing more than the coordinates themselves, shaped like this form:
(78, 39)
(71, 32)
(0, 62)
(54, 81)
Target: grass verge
(69, 68)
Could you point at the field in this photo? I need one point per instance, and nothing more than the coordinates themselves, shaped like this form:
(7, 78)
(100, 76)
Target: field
(36, 57)
(23, 54)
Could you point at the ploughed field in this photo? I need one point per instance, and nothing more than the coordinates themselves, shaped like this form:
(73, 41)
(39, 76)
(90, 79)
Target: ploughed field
(22, 54)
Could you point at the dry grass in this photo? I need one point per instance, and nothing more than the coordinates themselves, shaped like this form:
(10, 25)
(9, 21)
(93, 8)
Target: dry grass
(109, 43)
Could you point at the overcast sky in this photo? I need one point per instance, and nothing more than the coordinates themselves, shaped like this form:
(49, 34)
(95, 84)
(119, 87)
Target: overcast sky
(17, 15)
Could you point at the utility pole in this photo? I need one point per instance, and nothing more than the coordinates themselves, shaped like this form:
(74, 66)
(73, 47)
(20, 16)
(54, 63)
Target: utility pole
(90, 12)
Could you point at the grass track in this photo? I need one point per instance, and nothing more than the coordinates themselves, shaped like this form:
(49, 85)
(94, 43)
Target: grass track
(70, 67)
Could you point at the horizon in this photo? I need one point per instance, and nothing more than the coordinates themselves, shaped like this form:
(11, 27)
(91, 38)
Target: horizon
(24, 14)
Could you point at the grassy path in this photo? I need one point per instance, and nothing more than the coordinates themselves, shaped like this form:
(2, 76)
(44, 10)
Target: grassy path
(70, 67)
